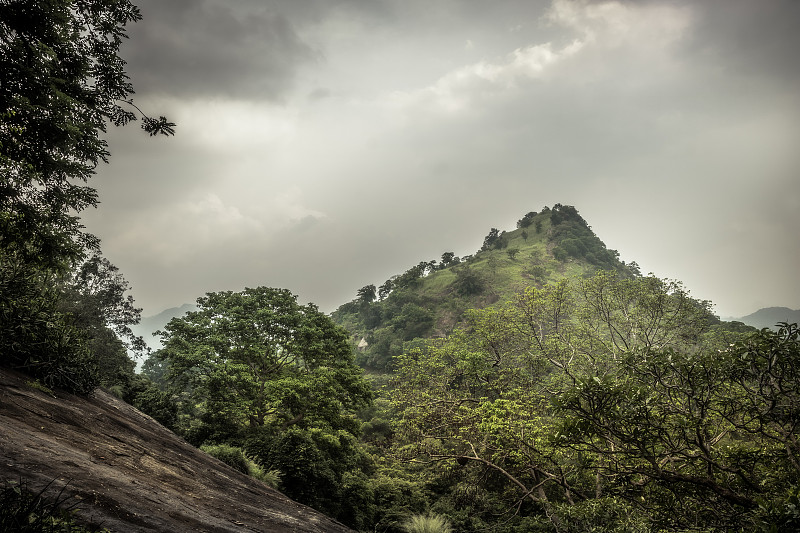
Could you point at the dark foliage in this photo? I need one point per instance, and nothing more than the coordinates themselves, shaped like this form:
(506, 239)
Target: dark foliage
(61, 82)
(572, 237)
(37, 511)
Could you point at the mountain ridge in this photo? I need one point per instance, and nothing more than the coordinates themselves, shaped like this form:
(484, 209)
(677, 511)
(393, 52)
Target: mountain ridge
(769, 317)
(150, 324)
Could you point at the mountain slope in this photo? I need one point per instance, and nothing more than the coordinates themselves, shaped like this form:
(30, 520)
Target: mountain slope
(431, 298)
(149, 324)
(127, 473)
(768, 317)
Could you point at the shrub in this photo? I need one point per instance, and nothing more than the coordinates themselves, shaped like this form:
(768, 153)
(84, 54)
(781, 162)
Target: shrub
(238, 460)
(230, 455)
(431, 523)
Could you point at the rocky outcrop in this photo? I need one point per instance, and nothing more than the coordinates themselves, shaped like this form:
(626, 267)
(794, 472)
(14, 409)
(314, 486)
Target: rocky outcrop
(128, 473)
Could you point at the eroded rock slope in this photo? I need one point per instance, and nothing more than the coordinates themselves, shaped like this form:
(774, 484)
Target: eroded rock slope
(130, 474)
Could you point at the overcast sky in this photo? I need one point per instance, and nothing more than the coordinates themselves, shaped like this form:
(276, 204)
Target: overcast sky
(323, 145)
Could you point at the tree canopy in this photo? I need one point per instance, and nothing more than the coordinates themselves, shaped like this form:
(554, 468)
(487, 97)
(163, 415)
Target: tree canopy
(257, 357)
(62, 82)
(606, 402)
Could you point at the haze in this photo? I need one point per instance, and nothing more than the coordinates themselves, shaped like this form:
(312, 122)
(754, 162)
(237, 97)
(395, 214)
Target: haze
(323, 145)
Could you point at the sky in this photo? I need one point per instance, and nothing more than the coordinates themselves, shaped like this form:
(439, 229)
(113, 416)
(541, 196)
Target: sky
(323, 145)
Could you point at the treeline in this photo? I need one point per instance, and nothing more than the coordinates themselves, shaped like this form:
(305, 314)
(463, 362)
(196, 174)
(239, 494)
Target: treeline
(605, 404)
(64, 316)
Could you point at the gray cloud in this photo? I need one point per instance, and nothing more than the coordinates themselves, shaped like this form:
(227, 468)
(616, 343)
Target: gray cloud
(757, 41)
(395, 131)
(201, 48)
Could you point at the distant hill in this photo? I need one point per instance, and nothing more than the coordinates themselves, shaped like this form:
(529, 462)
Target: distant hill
(768, 317)
(430, 298)
(150, 324)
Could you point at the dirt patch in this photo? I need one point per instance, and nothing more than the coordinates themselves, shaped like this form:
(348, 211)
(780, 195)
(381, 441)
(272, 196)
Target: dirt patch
(129, 473)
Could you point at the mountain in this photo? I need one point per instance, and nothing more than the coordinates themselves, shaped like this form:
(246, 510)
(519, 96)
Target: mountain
(430, 298)
(125, 472)
(150, 324)
(768, 317)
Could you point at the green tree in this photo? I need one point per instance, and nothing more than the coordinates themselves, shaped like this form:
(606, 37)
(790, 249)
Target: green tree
(95, 296)
(593, 401)
(413, 321)
(93, 300)
(468, 282)
(491, 240)
(448, 259)
(61, 82)
(704, 438)
(385, 289)
(322, 468)
(257, 357)
(527, 220)
(74, 330)
(366, 294)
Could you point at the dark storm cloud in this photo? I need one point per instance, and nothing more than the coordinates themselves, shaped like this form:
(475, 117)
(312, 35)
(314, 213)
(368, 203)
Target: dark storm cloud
(746, 38)
(201, 48)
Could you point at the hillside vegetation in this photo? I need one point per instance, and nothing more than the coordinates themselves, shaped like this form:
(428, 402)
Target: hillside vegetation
(431, 298)
(539, 385)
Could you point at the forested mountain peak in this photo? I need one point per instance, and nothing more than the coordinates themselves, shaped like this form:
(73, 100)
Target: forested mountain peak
(430, 298)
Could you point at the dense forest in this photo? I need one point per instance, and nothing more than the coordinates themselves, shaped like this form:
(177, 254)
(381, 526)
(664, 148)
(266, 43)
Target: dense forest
(539, 384)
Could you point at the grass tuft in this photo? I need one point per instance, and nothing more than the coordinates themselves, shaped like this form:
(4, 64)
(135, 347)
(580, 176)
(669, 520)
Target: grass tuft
(430, 523)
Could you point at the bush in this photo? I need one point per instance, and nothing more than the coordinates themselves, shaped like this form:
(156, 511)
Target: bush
(238, 460)
(431, 523)
(468, 282)
(35, 337)
(230, 455)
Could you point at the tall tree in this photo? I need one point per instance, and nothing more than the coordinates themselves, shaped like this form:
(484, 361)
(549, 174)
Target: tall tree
(366, 294)
(61, 81)
(257, 357)
(491, 240)
(94, 301)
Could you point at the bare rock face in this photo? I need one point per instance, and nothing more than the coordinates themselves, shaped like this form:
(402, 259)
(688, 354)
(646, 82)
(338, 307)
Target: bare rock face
(128, 473)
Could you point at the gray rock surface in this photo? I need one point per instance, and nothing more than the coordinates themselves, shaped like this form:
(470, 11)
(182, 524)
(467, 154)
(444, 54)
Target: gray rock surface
(128, 473)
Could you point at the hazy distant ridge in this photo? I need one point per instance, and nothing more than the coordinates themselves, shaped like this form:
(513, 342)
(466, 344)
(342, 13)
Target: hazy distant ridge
(768, 317)
(150, 324)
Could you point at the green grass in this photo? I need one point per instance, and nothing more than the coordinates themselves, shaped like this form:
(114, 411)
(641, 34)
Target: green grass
(237, 459)
(431, 523)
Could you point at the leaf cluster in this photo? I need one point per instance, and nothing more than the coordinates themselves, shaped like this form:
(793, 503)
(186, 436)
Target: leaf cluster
(28, 510)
